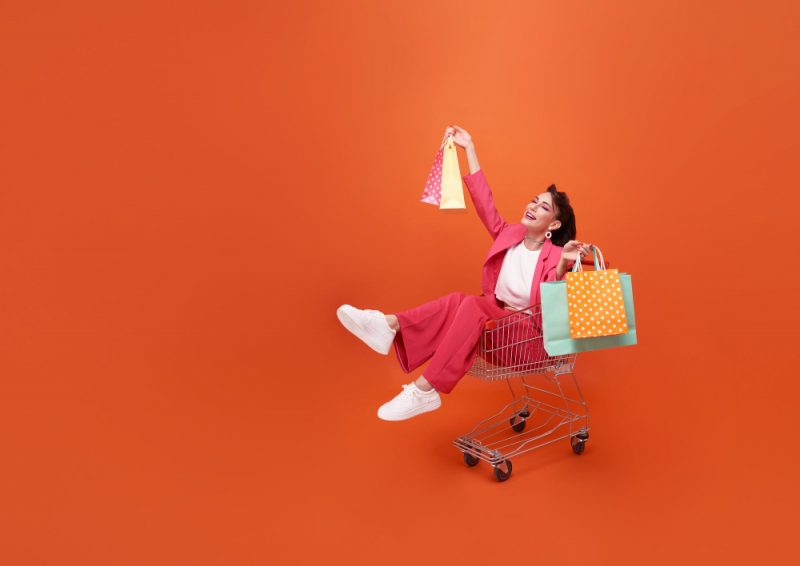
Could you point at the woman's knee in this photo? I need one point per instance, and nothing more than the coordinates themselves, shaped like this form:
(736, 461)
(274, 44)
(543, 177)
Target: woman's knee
(470, 300)
(455, 298)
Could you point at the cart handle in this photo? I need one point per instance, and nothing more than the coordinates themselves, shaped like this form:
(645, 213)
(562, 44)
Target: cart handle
(587, 261)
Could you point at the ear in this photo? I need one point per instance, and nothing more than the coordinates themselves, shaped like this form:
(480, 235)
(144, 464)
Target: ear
(555, 225)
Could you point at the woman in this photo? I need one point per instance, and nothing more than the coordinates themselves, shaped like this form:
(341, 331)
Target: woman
(539, 248)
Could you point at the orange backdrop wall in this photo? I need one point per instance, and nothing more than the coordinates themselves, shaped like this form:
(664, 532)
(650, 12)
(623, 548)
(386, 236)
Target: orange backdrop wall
(188, 191)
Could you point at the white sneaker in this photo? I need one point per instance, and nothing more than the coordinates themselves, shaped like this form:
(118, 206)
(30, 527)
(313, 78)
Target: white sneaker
(368, 325)
(410, 402)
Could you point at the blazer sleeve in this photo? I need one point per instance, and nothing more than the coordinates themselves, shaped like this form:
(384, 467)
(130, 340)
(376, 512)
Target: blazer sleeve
(482, 198)
(552, 273)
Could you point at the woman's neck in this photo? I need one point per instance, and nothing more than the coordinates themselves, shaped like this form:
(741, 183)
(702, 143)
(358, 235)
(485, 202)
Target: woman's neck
(534, 241)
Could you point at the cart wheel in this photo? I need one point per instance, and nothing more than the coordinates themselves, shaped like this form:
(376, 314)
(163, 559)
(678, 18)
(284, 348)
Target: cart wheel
(499, 474)
(520, 426)
(577, 444)
(470, 460)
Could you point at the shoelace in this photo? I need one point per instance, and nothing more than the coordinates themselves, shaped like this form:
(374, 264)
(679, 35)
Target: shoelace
(379, 314)
(409, 391)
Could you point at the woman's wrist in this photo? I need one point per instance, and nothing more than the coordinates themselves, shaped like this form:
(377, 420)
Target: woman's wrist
(472, 157)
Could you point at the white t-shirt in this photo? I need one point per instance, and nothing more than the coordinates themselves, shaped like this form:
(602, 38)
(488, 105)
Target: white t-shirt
(516, 276)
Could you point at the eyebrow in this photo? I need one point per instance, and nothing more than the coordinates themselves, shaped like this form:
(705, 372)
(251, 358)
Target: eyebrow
(543, 202)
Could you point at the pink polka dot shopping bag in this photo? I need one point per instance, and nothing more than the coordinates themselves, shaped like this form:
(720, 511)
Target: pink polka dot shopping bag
(443, 187)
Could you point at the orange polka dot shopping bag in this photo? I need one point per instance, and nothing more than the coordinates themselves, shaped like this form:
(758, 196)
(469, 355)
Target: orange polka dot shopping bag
(591, 310)
(594, 301)
(443, 187)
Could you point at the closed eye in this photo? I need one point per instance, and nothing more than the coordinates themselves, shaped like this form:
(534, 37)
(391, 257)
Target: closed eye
(544, 204)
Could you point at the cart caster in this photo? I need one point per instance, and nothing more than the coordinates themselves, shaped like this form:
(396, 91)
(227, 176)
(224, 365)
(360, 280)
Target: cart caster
(579, 443)
(519, 426)
(499, 474)
(470, 460)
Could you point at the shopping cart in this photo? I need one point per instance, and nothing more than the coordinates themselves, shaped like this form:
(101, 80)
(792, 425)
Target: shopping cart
(512, 346)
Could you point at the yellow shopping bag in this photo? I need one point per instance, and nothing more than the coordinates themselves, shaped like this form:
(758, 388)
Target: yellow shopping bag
(594, 300)
(452, 191)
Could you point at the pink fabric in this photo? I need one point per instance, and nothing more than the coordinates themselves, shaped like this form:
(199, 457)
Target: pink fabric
(447, 330)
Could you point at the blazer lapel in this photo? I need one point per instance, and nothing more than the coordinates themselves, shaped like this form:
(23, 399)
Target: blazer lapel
(512, 235)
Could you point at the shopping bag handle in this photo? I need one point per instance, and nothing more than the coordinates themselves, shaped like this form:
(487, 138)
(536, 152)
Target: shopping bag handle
(599, 255)
(445, 139)
(599, 261)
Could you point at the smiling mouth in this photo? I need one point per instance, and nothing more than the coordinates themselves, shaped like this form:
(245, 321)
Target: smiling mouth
(529, 215)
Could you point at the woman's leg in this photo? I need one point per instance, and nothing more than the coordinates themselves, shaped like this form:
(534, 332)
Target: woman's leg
(422, 328)
(457, 347)
(420, 382)
(446, 330)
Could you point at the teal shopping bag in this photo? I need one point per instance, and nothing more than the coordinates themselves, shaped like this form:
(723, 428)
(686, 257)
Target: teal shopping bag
(555, 319)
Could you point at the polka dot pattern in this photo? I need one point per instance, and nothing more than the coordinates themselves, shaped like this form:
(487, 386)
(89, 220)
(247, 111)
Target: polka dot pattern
(595, 304)
(433, 186)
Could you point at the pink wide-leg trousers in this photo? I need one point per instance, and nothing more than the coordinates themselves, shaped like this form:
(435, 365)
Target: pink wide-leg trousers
(447, 332)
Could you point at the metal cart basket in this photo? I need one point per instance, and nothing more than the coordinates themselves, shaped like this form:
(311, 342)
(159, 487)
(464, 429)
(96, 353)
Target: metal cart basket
(550, 410)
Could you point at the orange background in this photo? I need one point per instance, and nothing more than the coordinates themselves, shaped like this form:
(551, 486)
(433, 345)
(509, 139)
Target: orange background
(188, 190)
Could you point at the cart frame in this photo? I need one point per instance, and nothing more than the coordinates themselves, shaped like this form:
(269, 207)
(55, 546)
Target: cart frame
(512, 347)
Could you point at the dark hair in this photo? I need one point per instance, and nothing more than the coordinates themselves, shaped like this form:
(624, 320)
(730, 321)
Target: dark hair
(565, 214)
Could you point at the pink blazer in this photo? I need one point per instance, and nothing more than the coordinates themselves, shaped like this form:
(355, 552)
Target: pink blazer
(506, 235)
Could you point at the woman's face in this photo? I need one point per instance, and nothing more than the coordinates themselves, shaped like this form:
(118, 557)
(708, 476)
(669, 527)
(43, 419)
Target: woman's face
(540, 215)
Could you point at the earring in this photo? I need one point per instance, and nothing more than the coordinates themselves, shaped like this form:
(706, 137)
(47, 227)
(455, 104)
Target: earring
(548, 234)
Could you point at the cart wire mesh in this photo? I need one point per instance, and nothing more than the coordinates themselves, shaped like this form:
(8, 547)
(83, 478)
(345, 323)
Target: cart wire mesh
(512, 347)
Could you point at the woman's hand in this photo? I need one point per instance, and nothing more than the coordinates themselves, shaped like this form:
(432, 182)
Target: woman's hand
(460, 135)
(574, 250)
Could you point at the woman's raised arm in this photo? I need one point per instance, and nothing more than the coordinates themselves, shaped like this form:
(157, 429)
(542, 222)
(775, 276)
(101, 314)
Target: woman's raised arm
(478, 186)
(461, 137)
(472, 158)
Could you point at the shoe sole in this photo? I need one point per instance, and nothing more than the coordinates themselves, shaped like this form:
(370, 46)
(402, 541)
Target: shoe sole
(357, 331)
(419, 410)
